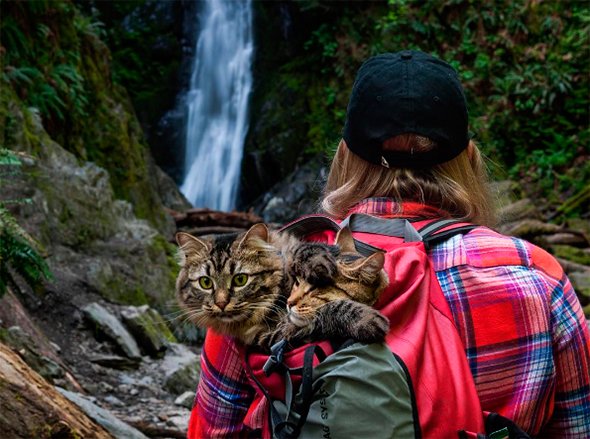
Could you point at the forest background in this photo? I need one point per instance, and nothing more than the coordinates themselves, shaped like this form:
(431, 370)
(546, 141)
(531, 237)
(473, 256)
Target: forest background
(102, 79)
(91, 155)
(524, 65)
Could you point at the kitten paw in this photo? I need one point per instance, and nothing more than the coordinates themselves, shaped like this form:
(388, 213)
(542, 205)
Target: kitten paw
(294, 333)
(372, 327)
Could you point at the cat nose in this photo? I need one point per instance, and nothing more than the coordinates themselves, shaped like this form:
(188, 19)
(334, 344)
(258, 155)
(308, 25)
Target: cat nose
(292, 301)
(221, 304)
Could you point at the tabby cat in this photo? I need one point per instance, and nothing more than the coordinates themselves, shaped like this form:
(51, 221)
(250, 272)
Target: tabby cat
(261, 286)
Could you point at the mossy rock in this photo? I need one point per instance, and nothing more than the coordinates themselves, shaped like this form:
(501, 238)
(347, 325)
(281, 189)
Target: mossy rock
(580, 225)
(581, 283)
(529, 228)
(574, 254)
(149, 329)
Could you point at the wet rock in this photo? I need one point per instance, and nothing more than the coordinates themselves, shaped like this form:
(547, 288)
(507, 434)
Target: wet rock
(528, 228)
(108, 420)
(187, 399)
(566, 238)
(148, 328)
(115, 362)
(581, 225)
(571, 267)
(51, 369)
(581, 282)
(295, 196)
(171, 197)
(519, 210)
(105, 387)
(104, 322)
(179, 421)
(114, 401)
(25, 346)
(95, 241)
(55, 347)
(181, 369)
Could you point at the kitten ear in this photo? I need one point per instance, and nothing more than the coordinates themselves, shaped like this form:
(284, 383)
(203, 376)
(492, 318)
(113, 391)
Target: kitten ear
(345, 240)
(257, 231)
(369, 267)
(190, 244)
(374, 263)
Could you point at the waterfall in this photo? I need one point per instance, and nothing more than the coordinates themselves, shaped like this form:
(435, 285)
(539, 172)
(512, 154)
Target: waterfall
(218, 104)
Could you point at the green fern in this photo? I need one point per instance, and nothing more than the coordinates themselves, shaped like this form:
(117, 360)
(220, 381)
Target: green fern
(21, 75)
(8, 158)
(18, 250)
(89, 26)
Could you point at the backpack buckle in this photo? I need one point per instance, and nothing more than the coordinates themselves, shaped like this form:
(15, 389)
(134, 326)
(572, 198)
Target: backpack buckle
(276, 357)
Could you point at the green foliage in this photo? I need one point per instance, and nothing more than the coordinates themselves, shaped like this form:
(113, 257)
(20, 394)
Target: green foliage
(18, 252)
(42, 58)
(146, 51)
(524, 66)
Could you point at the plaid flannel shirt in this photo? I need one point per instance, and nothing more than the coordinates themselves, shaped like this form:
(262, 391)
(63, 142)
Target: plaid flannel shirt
(522, 326)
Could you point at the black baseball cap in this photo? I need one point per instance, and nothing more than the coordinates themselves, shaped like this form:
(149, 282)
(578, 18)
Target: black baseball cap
(406, 92)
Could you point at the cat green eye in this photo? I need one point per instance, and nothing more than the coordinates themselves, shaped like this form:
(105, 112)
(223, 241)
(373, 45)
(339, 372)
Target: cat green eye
(239, 280)
(205, 282)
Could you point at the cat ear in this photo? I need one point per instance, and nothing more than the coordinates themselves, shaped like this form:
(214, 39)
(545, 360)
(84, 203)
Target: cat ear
(257, 231)
(345, 241)
(190, 244)
(374, 263)
(368, 268)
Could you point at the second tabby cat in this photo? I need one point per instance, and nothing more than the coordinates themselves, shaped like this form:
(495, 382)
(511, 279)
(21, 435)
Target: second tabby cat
(261, 286)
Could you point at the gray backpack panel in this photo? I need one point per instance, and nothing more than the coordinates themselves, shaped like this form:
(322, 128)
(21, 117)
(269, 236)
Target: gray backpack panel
(360, 391)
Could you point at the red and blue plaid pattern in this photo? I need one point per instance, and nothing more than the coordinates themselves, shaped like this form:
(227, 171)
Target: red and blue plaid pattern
(524, 332)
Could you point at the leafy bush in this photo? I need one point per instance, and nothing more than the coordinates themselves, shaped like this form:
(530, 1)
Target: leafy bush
(524, 66)
(18, 252)
(41, 59)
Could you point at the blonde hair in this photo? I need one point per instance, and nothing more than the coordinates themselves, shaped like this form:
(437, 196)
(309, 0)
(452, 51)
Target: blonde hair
(459, 187)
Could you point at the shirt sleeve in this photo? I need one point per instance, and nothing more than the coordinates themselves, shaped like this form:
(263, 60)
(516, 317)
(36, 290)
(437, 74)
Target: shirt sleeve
(223, 394)
(571, 346)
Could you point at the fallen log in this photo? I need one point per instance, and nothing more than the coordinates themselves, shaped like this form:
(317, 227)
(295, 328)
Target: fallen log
(198, 217)
(213, 230)
(31, 407)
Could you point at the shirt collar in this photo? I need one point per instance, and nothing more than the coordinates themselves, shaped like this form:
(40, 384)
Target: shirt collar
(387, 207)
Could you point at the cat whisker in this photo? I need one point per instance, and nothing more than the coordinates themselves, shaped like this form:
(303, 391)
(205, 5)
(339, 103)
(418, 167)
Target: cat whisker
(192, 316)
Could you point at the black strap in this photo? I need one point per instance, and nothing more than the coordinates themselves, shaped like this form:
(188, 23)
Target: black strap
(395, 227)
(275, 359)
(495, 422)
(433, 227)
(274, 415)
(305, 396)
(431, 234)
(447, 234)
(284, 428)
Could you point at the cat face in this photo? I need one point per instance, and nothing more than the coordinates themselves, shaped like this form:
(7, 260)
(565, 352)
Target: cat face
(229, 283)
(357, 278)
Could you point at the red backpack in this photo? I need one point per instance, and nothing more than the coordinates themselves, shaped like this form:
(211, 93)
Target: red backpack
(428, 353)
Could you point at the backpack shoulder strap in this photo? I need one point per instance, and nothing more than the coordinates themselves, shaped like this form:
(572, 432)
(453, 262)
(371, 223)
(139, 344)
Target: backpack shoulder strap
(432, 233)
(307, 225)
(438, 231)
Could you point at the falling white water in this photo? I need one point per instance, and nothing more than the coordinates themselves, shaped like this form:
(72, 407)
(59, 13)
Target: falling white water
(218, 104)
